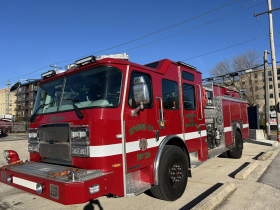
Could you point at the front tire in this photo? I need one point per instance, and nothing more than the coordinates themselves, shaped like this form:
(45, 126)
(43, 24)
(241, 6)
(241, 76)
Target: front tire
(173, 174)
(236, 153)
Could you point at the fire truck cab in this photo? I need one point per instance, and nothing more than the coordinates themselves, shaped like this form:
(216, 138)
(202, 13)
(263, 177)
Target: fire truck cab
(107, 126)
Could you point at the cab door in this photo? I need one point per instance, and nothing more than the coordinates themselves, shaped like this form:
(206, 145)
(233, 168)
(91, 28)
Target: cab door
(193, 113)
(140, 126)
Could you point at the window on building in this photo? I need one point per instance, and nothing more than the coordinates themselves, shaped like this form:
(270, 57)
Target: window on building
(31, 88)
(256, 88)
(243, 83)
(278, 78)
(255, 75)
(279, 85)
(251, 89)
(170, 95)
(148, 81)
(189, 96)
(270, 79)
(279, 94)
(269, 73)
(271, 95)
(263, 74)
(263, 80)
(31, 104)
(270, 86)
(256, 81)
(278, 71)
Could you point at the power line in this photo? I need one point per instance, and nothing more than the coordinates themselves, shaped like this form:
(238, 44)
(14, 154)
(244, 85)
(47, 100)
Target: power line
(145, 36)
(189, 29)
(224, 48)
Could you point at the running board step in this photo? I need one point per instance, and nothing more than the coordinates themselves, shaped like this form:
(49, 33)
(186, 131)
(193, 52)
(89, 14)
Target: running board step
(134, 185)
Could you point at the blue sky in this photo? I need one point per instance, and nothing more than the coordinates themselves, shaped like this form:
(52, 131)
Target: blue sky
(36, 34)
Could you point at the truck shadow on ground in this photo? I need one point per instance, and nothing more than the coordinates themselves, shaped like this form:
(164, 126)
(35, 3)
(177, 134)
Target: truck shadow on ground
(201, 197)
(232, 175)
(92, 204)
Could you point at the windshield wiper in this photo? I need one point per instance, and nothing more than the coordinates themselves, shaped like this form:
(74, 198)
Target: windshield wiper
(32, 117)
(79, 114)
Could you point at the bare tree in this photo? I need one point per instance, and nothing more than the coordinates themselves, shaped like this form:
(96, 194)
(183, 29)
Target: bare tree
(244, 61)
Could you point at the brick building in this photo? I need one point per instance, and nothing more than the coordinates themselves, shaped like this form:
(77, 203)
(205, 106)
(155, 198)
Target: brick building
(26, 96)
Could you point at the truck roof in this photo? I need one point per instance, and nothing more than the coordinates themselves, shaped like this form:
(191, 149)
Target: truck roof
(159, 67)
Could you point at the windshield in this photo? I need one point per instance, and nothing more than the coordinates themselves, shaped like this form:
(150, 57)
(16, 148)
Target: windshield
(96, 87)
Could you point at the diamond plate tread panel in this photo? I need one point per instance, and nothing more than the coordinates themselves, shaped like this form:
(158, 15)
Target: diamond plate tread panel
(43, 170)
(134, 185)
(3, 176)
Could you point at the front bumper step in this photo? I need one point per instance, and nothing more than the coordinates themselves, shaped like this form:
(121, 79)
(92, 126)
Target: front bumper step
(61, 189)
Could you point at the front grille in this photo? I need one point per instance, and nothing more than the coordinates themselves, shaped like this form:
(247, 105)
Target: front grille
(54, 132)
(61, 150)
(54, 191)
(3, 176)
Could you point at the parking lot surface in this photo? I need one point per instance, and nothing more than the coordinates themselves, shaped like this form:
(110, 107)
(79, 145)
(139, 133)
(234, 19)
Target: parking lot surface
(251, 193)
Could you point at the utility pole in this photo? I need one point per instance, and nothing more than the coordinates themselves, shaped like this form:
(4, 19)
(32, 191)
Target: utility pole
(8, 92)
(273, 61)
(55, 67)
(267, 108)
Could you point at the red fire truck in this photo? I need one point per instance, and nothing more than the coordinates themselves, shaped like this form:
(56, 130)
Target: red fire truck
(8, 126)
(107, 126)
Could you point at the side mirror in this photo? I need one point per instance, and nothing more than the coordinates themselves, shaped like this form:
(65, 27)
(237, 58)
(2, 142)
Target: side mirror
(141, 94)
(140, 91)
(15, 87)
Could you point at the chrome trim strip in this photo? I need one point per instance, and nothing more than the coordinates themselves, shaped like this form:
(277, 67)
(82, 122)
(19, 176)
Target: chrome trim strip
(123, 132)
(201, 101)
(233, 99)
(78, 126)
(181, 100)
(158, 155)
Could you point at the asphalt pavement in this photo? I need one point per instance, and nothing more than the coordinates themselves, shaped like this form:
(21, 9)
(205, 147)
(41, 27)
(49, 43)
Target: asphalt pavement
(272, 174)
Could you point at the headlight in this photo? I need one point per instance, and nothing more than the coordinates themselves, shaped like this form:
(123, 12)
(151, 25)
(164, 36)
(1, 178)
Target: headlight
(80, 151)
(6, 154)
(33, 134)
(33, 148)
(79, 134)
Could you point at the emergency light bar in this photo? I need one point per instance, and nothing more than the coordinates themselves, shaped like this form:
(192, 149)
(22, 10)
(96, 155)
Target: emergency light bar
(123, 56)
(187, 65)
(86, 60)
(48, 74)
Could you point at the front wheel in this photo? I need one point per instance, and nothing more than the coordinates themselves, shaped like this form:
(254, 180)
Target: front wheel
(236, 153)
(1, 132)
(173, 174)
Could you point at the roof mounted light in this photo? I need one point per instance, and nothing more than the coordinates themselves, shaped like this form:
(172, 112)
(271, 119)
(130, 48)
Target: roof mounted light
(187, 65)
(48, 74)
(86, 60)
(123, 56)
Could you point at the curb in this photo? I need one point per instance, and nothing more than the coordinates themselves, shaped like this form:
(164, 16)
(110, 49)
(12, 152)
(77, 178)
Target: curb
(243, 174)
(216, 198)
(263, 142)
(265, 155)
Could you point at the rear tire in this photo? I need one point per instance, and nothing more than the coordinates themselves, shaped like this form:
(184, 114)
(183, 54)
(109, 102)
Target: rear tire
(236, 153)
(173, 174)
(1, 131)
